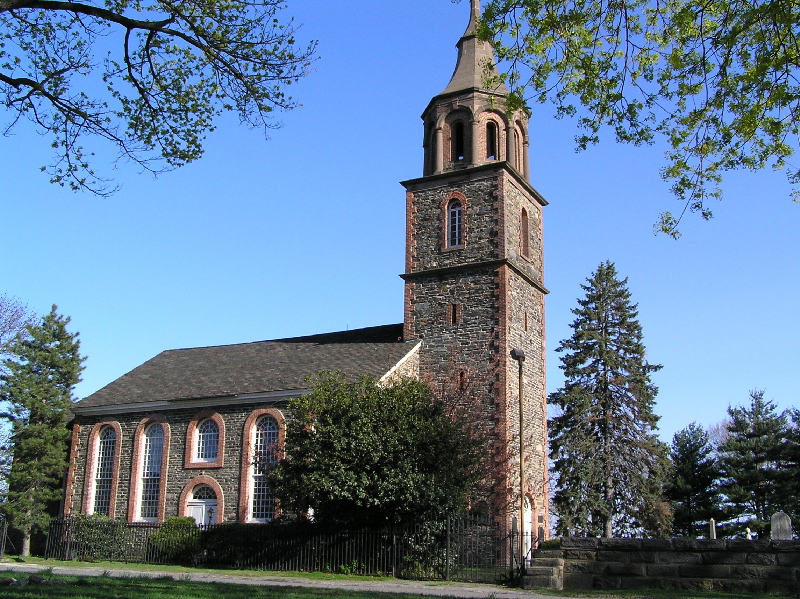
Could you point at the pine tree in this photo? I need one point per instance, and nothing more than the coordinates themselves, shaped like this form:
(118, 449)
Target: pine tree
(693, 488)
(38, 393)
(608, 463)
(792, 464)
(755, 468)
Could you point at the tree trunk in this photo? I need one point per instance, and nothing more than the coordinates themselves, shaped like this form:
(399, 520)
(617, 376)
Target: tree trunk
(26, 544)
(608, 531)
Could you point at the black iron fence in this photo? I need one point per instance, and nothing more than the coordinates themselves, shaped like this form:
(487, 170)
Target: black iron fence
(465, 548)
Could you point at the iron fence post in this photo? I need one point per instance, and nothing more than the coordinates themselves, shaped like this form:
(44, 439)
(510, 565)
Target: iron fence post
(447, 551)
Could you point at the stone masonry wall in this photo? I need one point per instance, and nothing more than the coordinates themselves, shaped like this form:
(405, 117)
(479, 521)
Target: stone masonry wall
(692, 564)
(471, 305)
(227, 475)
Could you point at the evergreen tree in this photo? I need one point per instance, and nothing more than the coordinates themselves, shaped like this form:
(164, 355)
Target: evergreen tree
(755, 465)
(792, 464)
(38, 393)
(693, 488)
(607, 461)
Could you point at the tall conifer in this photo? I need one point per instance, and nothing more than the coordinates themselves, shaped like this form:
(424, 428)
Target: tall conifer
(693, 489)
(38, 393)
(608, 463)
(755, 460)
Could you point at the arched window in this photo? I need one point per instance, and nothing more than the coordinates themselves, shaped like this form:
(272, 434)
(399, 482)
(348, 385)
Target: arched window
(152, 453)
(458, 141)
(207, 441)
(204, 492)
(104, 472)
(264, 457)
(491, 140)
(524, 235)
(455, 224)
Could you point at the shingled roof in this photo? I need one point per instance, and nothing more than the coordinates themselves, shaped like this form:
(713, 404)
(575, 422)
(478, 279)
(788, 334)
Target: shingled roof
(252, 368)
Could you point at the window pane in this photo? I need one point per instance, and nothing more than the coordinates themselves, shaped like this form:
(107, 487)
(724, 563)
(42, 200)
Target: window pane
(105, 471)
(151, 470)
(454, 225)
(204, 492)
(207, 440)
(265, 447)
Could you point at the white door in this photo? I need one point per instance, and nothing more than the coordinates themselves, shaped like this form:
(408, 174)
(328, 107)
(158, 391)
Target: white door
(203, 505)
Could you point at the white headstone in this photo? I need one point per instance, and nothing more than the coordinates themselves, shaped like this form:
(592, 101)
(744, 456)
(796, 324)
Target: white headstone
(781, 527)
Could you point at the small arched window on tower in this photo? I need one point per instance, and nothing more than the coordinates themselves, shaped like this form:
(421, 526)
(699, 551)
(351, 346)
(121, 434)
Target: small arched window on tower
(524, 235)
(457, 133)
(491, 140)
(455, 224)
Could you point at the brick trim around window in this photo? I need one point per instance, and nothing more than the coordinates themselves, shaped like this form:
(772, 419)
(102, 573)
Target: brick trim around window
(189, 460)
(92, 447)
(136, 468)
(444, 220)
(247, 448)
(186, 493)
(69, 491)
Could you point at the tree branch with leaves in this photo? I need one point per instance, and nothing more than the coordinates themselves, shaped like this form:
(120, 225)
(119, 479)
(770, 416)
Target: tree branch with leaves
(717, 80)
(150, 78)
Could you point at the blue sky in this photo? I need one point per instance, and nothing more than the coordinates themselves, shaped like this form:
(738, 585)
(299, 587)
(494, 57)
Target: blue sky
(304, 233)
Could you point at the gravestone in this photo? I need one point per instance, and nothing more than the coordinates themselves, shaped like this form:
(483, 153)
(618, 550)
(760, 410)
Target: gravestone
(781, 529)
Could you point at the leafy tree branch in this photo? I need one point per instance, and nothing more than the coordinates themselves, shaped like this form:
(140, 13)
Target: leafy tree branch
(717, 80)
(168, 70)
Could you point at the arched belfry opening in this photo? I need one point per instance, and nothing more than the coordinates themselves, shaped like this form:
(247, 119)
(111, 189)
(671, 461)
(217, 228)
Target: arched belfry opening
(467, 124)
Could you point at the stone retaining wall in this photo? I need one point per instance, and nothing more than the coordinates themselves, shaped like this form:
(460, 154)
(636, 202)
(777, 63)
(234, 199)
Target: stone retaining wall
(729, 565)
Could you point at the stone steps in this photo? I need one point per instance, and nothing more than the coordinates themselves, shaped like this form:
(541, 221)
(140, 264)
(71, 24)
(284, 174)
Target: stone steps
(546, 571)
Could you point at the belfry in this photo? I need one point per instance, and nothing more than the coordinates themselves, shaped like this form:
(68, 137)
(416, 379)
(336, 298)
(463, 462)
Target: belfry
(474, 286)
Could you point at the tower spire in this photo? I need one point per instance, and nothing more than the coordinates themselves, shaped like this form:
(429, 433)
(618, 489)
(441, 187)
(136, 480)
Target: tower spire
(473, 58)
(474, 17)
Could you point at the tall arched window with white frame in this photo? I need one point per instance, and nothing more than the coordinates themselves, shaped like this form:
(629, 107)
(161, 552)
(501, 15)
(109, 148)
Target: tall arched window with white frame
(104, 471)
(151, 471)
(265, 455)
(455, 224)
(207, 441)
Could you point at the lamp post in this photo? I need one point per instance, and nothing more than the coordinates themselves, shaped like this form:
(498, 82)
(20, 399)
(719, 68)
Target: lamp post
(519, 356)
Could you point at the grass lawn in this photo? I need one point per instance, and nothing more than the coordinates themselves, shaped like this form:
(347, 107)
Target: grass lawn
(174, 585)
(163, 588)
(167, 587)
(178, 570)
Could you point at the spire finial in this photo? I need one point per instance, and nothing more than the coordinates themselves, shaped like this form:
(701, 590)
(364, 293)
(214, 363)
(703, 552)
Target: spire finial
(474, 16)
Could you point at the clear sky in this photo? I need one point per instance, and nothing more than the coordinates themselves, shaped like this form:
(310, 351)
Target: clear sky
(304, 233)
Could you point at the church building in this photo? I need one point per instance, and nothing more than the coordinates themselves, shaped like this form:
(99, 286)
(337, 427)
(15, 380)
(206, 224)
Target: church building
(177, 435)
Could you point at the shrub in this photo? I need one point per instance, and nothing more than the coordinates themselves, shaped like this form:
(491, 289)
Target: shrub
(177, 541)
(98, 537)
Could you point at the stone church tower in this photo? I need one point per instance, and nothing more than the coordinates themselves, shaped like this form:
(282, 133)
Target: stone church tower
(474, 287)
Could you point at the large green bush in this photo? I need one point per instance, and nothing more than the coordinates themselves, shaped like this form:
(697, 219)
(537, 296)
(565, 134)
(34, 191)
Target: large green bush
(177, 541)
(98, 537)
